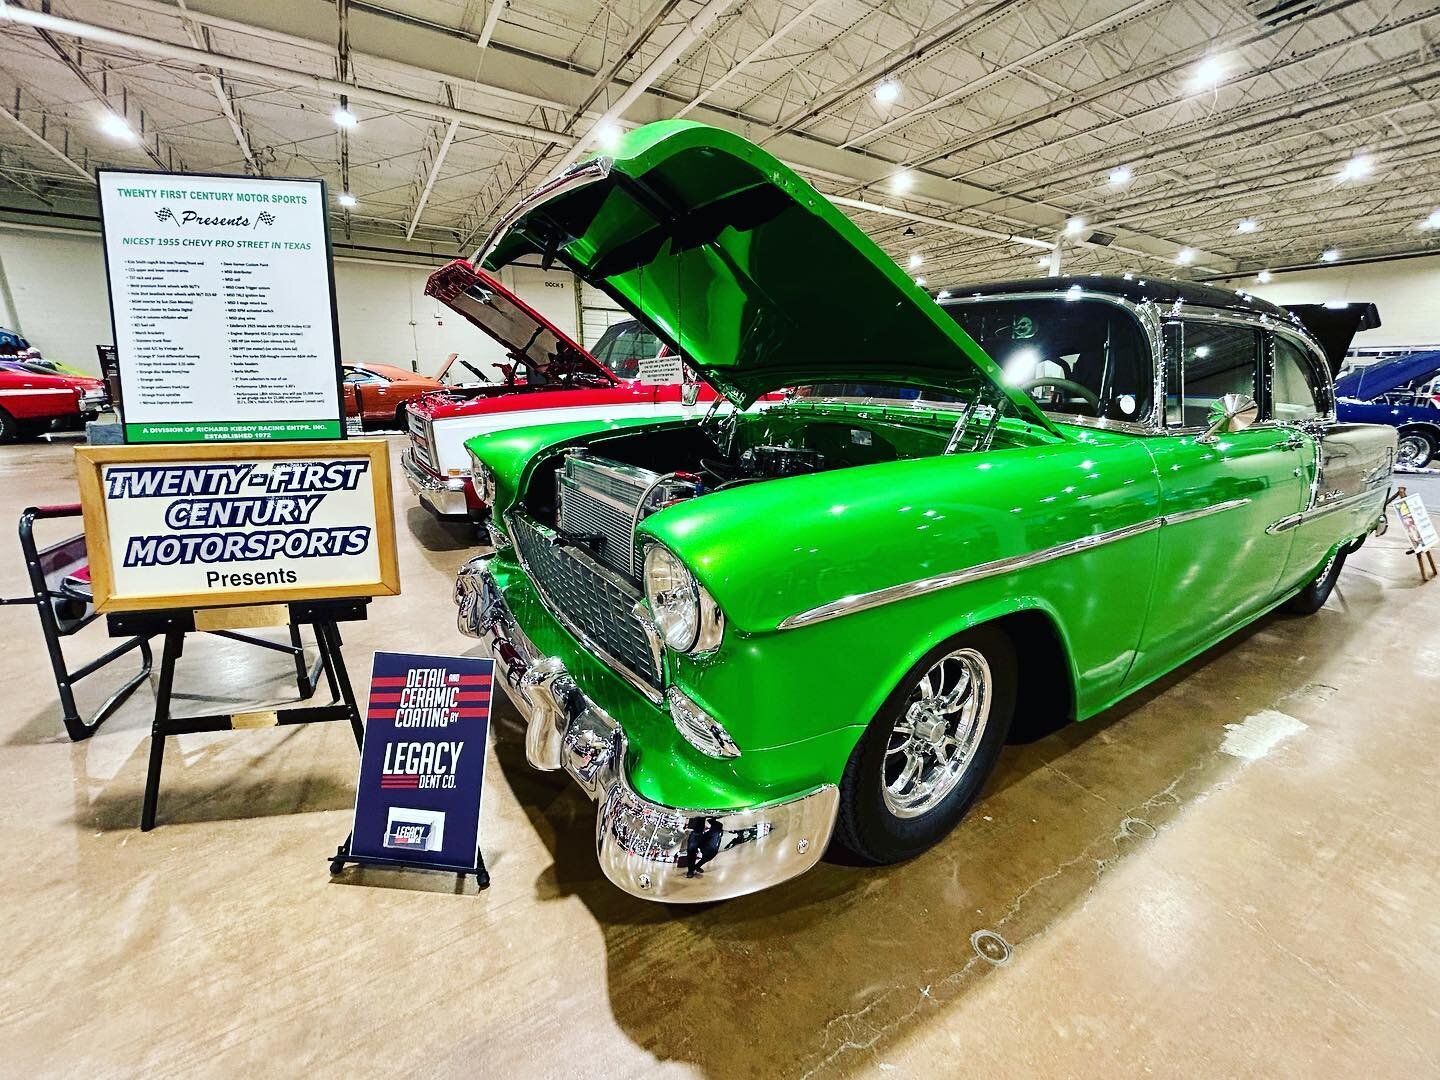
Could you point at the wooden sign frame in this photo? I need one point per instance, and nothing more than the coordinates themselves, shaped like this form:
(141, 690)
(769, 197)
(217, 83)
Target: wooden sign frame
(90, 460)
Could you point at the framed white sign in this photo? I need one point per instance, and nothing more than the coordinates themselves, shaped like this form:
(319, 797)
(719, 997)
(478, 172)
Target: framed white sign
(222, 297)
(201, 526)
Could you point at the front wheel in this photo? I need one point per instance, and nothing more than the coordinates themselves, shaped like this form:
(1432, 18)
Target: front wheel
(926, 755)
(9, 429)
(1416, 449)
(1312, 597)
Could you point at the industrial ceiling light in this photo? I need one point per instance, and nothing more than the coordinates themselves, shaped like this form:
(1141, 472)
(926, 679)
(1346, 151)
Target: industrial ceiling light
(1128, 276)
(1247, 225)
(1264, 277)
(902, 182)
(1185, 256)
(1043, 261)
(1121, 176)
(1074, 226)
(916, 260)
(919, 281)
(1433, 221)
(1358, 167)
(887, 92)
(347, 200)
(1330, 254)
(943, 294)
(344, 118)
(607, 136)
(1207, 73)
(116, 127)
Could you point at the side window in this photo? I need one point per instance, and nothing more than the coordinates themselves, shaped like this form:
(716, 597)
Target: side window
(1293, 394)
(1214, 359)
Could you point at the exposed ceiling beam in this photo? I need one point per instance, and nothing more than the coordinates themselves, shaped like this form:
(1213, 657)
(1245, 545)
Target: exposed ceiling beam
(688, 34)
(316, 84)
(198, 37)
(434, 172)
(44, 143)
(753, 55)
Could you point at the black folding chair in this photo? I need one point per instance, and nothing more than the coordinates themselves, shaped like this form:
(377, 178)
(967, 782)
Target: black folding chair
(60, 592)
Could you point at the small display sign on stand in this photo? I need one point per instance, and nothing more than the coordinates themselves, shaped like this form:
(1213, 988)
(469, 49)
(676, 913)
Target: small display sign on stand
(422, 768)
(1419, 529)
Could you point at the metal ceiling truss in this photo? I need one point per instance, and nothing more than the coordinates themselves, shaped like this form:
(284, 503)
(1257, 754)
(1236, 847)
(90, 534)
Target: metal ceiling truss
(1007, 116)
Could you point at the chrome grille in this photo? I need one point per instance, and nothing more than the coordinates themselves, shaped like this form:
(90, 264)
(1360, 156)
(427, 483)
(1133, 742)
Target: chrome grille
(598, 500)
(420, 439)
(594, 604)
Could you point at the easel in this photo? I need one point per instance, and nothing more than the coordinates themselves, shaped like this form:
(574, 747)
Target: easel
(173, 624)
(1422, 556)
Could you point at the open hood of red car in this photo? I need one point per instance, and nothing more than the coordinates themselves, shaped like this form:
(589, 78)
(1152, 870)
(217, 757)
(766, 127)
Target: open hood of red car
(535, 344)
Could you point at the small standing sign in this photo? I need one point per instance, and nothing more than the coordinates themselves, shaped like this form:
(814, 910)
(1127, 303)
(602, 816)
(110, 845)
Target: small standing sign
(422, 767)
(1418, 528)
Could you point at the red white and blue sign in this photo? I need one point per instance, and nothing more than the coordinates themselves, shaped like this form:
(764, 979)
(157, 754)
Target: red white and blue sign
(423, 764)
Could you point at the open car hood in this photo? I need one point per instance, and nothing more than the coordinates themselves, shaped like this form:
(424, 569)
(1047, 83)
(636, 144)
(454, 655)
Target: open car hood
(744, 269)
(531, 340)
(1383, 376)
(1335, 326)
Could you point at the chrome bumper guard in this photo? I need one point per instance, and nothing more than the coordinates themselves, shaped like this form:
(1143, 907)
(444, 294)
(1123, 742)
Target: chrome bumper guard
(655, 852)
(436, 494)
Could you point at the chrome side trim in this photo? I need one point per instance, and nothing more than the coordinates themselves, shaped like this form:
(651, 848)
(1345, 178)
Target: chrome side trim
(1287, 523)
(863, 601)
(1204, 511)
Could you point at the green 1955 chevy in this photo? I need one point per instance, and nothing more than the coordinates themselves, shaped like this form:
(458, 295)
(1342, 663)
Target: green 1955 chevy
(759, 631)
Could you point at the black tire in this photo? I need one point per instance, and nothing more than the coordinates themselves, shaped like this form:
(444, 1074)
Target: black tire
(9, 428)
(401, 423)
(1312, 597)
(1417, 448)
(866, 828)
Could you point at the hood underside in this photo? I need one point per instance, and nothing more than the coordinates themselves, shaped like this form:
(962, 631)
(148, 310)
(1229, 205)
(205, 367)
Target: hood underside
(531, 340)
(744, 269)
(1383, 376)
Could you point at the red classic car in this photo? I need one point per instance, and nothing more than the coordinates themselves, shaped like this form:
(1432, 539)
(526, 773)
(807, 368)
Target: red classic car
(378, 393)
(549, 379)
(33, 400)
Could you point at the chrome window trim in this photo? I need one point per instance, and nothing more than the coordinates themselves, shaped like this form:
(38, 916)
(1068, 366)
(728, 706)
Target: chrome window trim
(1146, 314)
(652, 693)
(1011, 563)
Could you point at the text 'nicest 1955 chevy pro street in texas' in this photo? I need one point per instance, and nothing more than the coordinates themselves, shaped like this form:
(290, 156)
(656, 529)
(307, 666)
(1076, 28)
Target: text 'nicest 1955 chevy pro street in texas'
(750, 636)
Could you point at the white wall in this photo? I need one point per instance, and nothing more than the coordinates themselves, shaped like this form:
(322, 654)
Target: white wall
(56, 284)
(56, 295)
(1407, 292)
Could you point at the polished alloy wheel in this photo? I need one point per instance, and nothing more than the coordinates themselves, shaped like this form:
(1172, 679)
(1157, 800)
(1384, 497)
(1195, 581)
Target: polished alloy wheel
(937, 734)
(1413, 450)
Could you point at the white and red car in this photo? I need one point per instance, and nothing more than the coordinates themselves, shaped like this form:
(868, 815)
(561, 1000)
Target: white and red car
(550, 379)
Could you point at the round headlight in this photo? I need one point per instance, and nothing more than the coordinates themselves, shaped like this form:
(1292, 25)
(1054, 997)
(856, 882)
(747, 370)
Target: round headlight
(674, 598)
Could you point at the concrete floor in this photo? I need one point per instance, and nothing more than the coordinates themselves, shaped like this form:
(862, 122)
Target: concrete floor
(1182, 897)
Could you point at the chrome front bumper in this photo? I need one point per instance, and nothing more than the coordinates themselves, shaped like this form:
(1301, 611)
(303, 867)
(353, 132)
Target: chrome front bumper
(644, 847)
(443, 497)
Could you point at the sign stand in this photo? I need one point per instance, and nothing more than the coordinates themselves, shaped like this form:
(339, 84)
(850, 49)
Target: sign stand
(1418, 528)
(323, 615)
(343, 856)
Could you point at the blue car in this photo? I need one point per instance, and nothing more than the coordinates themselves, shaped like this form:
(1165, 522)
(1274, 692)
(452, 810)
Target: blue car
(1398, 392)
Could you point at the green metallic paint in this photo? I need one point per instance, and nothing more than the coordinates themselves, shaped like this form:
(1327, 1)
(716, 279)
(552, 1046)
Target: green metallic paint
(696, 231)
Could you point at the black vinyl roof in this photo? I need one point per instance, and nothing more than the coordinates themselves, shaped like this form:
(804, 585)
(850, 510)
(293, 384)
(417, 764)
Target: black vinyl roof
(1138, 289)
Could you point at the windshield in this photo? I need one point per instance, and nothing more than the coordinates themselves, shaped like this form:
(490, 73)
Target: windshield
(1071, 357)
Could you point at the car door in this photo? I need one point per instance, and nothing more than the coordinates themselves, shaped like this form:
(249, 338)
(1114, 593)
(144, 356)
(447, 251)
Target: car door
(1218, 561)
(1343, 465)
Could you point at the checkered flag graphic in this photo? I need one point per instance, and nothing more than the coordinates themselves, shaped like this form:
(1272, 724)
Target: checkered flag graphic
(164, 214)
(266, 218)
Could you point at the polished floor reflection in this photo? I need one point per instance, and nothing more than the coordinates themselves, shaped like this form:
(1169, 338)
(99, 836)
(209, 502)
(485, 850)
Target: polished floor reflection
(1233, 874)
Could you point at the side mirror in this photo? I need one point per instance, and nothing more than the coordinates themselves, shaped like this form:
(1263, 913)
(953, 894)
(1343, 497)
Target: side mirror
(1233, 412)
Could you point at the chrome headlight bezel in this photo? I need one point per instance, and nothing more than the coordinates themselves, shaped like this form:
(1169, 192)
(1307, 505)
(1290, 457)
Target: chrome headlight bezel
(482, 477)
(684, 614)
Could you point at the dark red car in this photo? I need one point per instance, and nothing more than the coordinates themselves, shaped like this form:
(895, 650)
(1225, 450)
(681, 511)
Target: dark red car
(33, 400)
